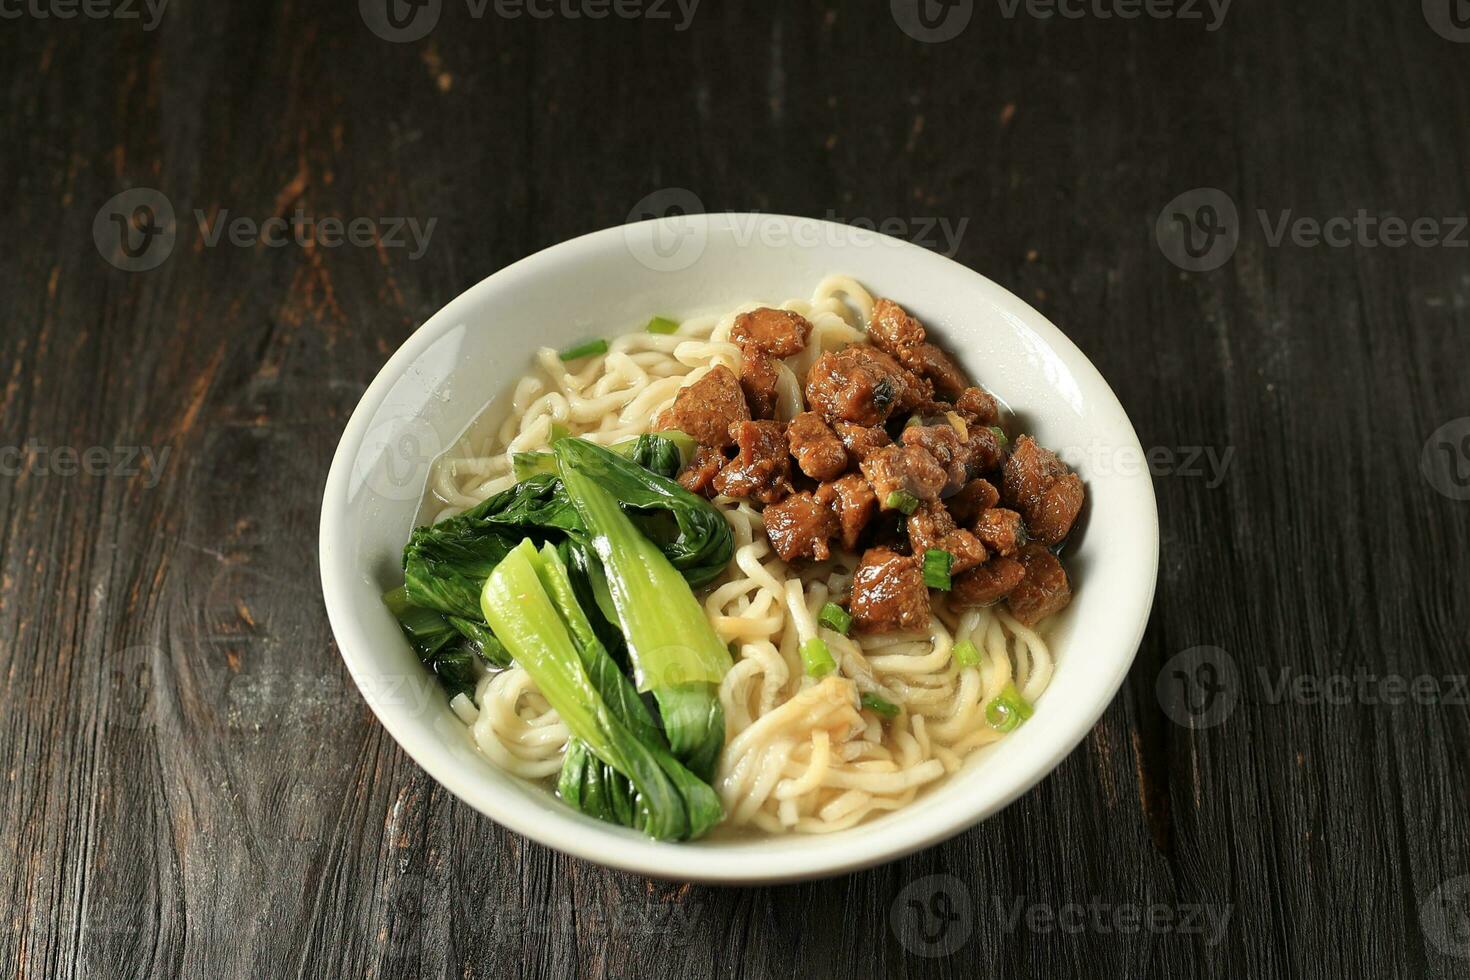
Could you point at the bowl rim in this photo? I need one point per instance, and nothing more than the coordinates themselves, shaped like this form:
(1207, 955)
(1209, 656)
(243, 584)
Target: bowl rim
(617, 847)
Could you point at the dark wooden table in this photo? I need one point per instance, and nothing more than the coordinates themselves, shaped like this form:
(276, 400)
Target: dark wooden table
(192, 786)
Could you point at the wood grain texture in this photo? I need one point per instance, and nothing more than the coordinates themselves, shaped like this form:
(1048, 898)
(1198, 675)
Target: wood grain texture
(192, 787)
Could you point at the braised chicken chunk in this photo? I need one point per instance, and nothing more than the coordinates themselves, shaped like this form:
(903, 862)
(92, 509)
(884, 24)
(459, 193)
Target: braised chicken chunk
(899, 334)
(861, 441)
(854, 504)
(761, 470)
(818, 451)
(930, 526)
(1000, 530)
(800, 527)
(972, 500)
(888, 593)
(862, 384)
(706, 409)
(904, 469)
(978, 407)
(1043, 490)
(1044, 589)
(949, 449)
(759, 376)
(986, 584)
(699, 476)
(777, 333)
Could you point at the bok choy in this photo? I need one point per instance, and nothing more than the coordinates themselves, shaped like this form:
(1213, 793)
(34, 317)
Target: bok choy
(529, 600)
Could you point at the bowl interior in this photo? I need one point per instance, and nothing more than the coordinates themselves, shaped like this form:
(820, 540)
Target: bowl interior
(611, 282)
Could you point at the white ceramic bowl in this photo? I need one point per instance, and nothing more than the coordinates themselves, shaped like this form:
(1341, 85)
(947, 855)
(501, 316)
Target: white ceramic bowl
(611, 282)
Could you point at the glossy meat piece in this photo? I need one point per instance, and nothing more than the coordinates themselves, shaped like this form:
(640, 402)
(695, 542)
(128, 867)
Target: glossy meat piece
(854, 504)
(888, 593)
(699, 476)
(931, 526)
(986, 584)
(1000, 530)
(893, 329)
(800, 527)
(1043, 490)
(758, 377)
(947, 446)
(818, 451)
(762, 468)
(985, 453)
(906, 468)
(900, 334)
(779, 333)
(978, 407)
(861, 384)
(973, 499)
(1043, 591)
(706, 409)
(861, 441)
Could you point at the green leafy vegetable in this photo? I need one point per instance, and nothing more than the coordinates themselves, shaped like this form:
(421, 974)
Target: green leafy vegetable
(675, 653)
(834, 617)
(529, 599)
(1008, 709)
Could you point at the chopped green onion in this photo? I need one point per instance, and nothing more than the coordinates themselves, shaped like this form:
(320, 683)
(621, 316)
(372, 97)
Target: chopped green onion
(598, 346)
(834, 617)
(662, 324)
(1000, 436)
(937, 564)
(880, 706)
(965, 654)
(902, 500)
(1008, 709)
(816, 658)
(559, 431)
